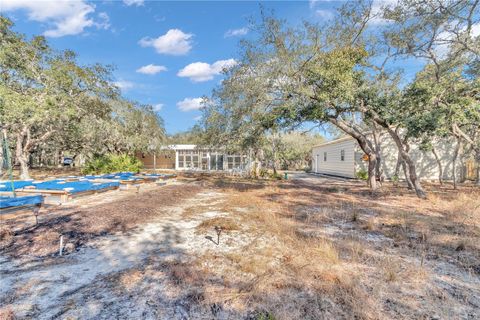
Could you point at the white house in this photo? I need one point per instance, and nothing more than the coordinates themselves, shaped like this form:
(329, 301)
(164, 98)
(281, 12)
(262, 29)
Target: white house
(344, 158)
(193, 157)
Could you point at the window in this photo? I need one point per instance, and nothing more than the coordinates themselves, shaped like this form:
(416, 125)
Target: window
(324, 156)
(342, 155)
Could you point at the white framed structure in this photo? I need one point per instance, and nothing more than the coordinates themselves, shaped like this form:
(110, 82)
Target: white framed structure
(192, 157)
(344, 158)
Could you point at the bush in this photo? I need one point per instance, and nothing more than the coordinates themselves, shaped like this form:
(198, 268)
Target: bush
(112, 163)
(275, 176)
(263, 173)
(395, 180)
(362, 175)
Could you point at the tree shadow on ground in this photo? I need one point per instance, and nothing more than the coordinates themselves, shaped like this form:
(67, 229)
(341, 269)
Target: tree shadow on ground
(413, 224)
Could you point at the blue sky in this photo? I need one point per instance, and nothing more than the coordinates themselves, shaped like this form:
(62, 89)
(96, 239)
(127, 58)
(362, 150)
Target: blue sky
(167, 54)
(176, 36)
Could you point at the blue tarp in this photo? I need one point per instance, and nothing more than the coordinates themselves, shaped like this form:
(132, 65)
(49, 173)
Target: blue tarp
(17, 184)
(91, 177)
(75, 186)
(116, 176)
(7, 202)
(120, 176)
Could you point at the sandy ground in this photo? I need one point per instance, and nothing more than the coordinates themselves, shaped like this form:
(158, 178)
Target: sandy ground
(41, 290)
(153, 263)
(77, 284)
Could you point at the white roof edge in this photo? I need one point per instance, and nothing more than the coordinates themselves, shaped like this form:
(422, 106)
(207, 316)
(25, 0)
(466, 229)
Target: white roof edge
(182, 146)
(185, 147)
(334, 141)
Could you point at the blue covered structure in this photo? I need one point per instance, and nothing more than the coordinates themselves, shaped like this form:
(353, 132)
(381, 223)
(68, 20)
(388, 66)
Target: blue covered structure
(6, 186)
(75, 186)
(115, 176)
(10, 202)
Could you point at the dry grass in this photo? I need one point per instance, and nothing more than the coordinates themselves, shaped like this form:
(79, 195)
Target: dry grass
(7, 314)
(131, 278)
(351, 269)
(224, 224)
(6, 236)
(296, 250)
(288, 269)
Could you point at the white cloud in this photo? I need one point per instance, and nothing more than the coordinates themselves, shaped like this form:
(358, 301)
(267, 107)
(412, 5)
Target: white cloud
(189, 104)
(157, 107)
(476, 30)
(325, 14)
(444, 39)
(63, 17)
(197, 118)
(201, 71)
(124, 85)
(174, 42)
(312, 3)
(377, 9)
(151, 69)
(134, 2)
(236, 32)
(104, 22)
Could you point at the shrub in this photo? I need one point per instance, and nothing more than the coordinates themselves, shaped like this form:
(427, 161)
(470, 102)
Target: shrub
(395, 180)
(362, 175)
(275, 176)
(112, 163)
(263, 172)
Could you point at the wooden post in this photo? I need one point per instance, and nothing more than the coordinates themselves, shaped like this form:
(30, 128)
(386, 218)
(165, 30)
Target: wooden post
(36, 210)
(61, 245)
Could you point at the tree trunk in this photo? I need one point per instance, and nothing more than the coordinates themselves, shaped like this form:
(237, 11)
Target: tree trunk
(407, 177)
(439, 164)
(22, 157)
(403, 149)
(410, 165)
(454, 161)
(378, 153)
(372, 166)
(25, 144)
(396, 173)
(59, 160)
(366, 147)
(274, 154)
(478, 174)
(258, 163)
(413, 177)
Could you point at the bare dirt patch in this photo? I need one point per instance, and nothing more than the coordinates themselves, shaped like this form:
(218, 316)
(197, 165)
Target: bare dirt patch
(88, 218)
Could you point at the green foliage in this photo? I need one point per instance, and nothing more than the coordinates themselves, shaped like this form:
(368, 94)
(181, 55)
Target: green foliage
(192, 136)
(395, 179)
(362, 174)
(345, 73)
(293, 150)
(51, 103)
(275, 176)
(265, 316)
(112, 163)
(264, 173)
